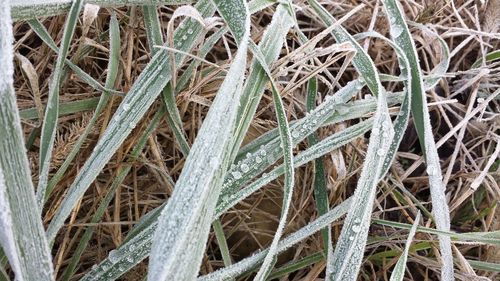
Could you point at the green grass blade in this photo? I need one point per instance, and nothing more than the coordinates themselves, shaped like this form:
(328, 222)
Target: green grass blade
(32, 250)
(320, 189)
(135, 104)
(346, 260)
(270, 45)
(114, 54)
(361, 61)
(25, 9)
(42, 32)
(64, 108)
(49, 127)
(402, 37)
(399, 270)
(153, 28)
(184, 224)
(251, 262)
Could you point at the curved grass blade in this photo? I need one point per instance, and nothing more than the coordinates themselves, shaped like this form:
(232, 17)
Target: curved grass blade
(361, 61)
(152, 23)
(346, 260)
(135, 104)
(399, 270)
(49, 126)
(184, 224)
(402, 37)
(114, 54)
(254, 260)
(31, 248)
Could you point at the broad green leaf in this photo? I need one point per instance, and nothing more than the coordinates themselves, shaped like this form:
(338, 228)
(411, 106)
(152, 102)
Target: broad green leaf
(22, 223)
(399, 270)
(402, 37)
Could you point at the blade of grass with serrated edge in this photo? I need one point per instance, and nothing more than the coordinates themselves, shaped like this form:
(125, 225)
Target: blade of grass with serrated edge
(25, 9)
(33, 251)
(137, 244)
(402, 37)
(112, 71)
(254, 260)
(133, 107)
(49, 127)
(184, 224)
(154, 32)
(117, 181)
(42, 32)
(399, 270)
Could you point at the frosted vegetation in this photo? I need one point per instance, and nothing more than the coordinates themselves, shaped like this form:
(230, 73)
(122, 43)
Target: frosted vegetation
(218, 171)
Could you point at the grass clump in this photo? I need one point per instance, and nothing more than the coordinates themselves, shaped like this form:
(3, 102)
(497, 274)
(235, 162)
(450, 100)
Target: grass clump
(235, 140)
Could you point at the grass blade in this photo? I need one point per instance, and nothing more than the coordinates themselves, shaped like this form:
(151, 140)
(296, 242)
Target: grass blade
(24, 9)
(320, 189)
(348, 255)
(184, 224)
(399, 270)
(32, 250)
(114, 53)
(173, 117)
(49, 126)
(402, 37)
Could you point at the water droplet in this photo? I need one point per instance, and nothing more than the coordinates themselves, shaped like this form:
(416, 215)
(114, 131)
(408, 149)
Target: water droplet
(184, 37)
(380, 152)
(258, 160)
(356, 228)
(113, 256)
(236, 175)
(126, 107)
(295, 134)
(480, 100)
(351, 238)
(431, 170)
(244, 168)
(190, 31)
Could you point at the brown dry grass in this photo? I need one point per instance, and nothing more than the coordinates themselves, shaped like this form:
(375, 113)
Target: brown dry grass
(250, 225)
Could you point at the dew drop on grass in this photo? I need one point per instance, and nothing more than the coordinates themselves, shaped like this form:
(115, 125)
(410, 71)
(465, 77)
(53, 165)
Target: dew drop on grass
(351, 238)
(113, 256)
(184, 37)
(295, 134)
(190, 31)
(430, 170)
(356, 228)
(258, 160)
(236, 175)
(396, 31)
(244, 168)
(380, 152)
(263, 152)
(126, 107)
